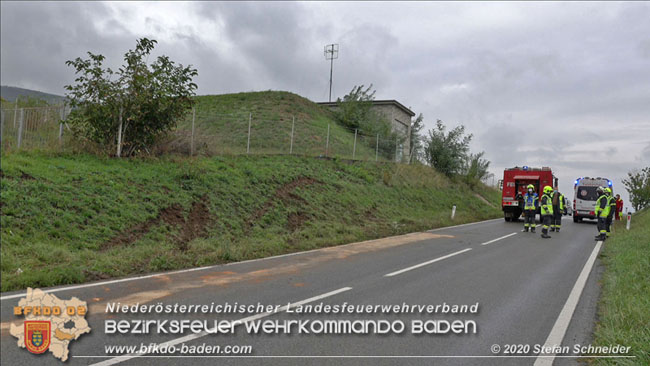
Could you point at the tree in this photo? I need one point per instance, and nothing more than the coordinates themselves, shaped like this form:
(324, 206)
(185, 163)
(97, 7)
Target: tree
(476, 169)
(416, 139)
(638, 186)
(135, 105)
(355, 112)
(447, 152)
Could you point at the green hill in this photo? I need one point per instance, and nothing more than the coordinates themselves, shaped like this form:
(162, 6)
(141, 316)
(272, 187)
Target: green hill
(10, 93)
(75, 218)
(221, 127)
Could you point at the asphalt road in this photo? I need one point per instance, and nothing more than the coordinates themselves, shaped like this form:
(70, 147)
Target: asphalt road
(522, 283)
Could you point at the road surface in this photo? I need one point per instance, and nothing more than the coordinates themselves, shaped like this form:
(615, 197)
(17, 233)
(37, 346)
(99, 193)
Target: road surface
(529, 291)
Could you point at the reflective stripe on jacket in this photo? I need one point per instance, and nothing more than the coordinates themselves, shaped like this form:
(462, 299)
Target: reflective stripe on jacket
(602, 206)
(546, 205)
(530, 201)
(612, 206)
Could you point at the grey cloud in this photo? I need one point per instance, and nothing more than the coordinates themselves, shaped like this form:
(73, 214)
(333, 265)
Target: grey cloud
(644, 48)
(43, 37)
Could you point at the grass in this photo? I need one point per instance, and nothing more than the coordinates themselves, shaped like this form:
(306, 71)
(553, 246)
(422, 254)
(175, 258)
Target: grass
(624, 308)
(74, 218)
(221, 127)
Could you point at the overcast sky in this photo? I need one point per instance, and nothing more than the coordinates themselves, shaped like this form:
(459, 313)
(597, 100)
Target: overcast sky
(565, 85)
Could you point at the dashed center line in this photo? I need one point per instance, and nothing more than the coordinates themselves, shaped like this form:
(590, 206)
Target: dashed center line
(426, 263)
(497, 239)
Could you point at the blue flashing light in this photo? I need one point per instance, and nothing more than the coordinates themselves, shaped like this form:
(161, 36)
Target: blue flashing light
(525, 167)
(609, 182)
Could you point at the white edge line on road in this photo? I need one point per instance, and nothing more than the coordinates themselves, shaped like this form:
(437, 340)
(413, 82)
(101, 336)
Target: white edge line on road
(497, 239)
(119, 359)
(75, 287)
(426, 263)
(562, 323)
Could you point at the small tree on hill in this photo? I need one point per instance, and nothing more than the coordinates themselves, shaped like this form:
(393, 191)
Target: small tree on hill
(355, 112)
(135, 105)
(447, 152)
(476, 169)
(638, 186)
(416, 139)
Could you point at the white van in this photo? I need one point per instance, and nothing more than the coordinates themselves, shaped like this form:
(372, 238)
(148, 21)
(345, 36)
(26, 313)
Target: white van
(585, 196)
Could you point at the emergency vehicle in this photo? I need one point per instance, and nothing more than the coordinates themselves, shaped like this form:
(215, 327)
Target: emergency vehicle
(585, 196)
(515, 181)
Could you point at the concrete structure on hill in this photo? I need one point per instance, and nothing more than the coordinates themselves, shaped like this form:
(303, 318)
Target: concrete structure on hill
(399, 117)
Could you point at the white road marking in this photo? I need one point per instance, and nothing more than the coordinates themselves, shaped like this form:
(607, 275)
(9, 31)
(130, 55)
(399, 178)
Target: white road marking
(426, 263)
(190, 337)
(75, 287)
(562, 323)
(497, 239)
(461, 225)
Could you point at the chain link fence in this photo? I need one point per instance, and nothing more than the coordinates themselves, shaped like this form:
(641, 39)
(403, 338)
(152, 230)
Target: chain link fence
(204, 133)
(32, 128)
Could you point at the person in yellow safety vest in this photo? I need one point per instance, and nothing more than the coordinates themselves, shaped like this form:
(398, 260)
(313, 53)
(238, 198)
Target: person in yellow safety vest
(612, 209)
(602, 211)
(546, 205)
(531, 200)
(558, 208)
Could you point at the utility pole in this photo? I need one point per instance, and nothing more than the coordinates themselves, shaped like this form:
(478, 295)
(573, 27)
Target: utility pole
(331, 53)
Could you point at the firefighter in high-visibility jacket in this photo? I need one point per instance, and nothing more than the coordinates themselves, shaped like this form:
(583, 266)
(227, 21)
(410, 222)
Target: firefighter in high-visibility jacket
(531, 200)
(546, 209)
(612, 209)
(602, 211)
(558, 209)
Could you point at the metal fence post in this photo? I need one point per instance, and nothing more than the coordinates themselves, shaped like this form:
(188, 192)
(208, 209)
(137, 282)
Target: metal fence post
(354, 146)
(192, 140)
(61, 125)
(327, 142)
(119, 136)
(248, 144)
(293, 125)
(20, 127)
(15, 111)
(377, 148)
(2, 124)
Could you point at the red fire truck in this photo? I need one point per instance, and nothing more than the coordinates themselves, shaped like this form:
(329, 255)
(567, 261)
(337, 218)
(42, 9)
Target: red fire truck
(515, 181)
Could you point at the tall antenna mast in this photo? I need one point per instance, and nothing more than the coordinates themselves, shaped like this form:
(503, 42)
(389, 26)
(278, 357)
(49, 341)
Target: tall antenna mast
(331, 53)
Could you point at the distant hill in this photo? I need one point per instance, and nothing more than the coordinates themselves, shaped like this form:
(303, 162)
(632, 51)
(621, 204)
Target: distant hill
(10, 93)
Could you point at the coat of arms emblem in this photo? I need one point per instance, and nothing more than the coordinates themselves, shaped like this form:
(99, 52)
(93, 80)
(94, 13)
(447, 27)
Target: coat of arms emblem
(37, 335)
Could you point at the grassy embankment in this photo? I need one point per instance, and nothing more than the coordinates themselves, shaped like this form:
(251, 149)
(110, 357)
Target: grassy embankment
(624, 309)
(222, 127)
(74, 218)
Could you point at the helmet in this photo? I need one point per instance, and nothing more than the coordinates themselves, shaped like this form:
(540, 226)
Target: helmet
(530, 186)
(600, 190)
(608, 190)
(548, 189)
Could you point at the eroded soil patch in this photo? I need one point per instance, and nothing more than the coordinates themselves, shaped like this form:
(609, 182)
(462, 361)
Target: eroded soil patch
(284, 193)
(191, 228)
